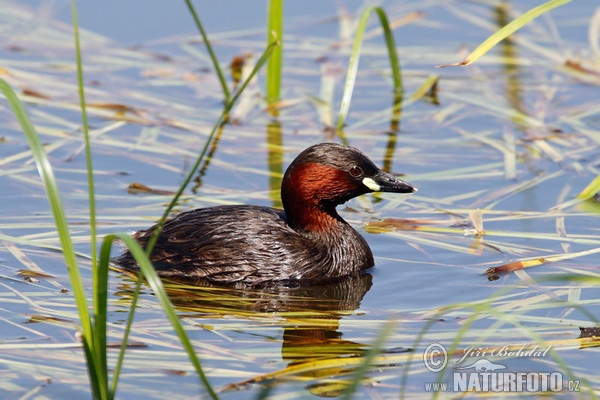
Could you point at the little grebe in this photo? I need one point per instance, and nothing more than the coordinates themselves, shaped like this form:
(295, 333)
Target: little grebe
(254, 245)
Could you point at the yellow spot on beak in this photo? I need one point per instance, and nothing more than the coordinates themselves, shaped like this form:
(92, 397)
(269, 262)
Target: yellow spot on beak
(371, 184)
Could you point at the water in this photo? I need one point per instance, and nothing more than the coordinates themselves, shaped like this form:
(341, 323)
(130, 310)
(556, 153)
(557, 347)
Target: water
(457, 154)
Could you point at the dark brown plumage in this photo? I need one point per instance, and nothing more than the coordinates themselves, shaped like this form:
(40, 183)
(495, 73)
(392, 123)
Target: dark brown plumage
(253, 245)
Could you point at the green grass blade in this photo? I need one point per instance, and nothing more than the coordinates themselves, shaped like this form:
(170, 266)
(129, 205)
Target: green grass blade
(274, 34)
(49, 180)
(590, 190)
(86, 134)
(147, 270)
(100, 289)
(143, 260)
(210, 50)
(228, 106)
(104, 264)
(355, 56)
(508, 30)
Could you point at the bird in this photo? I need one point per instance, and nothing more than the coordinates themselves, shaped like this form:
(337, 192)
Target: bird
(307, 242)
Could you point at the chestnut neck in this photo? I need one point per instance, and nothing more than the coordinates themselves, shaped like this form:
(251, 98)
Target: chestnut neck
(309, 193)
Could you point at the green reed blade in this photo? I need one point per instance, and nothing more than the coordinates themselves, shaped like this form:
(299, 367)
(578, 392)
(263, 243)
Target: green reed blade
(274, 34)
(86, 134)
(49, 180)
(210, 50)
(508, 30)
(100, 282)
(228, 106)
(104, 264)
(355, 56)
(147, 270)
(145, 266)
(590, 190)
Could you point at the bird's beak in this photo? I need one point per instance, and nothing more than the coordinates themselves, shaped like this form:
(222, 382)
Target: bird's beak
(384, 182)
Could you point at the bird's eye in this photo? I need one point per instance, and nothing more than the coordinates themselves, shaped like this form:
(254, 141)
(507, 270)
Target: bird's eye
(356, 171)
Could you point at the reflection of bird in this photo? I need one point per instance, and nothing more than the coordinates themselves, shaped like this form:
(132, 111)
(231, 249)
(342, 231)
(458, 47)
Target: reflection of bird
(484, 365)
(252, 245)
(309, 317)
(329, 301)
(319, 337)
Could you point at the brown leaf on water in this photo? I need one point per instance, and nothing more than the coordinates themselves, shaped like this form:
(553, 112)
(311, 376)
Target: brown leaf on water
(494, 273)
(116, 107)
(33, 274)
(36, 94)
(16, 48)
(31, 269)
(137, 188)
(176, 372)
(505, 268)
(576, 65)
(391, 224)
(45, 318)
(130, 345)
